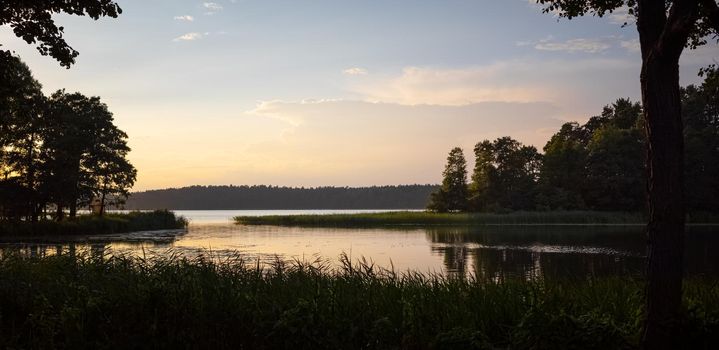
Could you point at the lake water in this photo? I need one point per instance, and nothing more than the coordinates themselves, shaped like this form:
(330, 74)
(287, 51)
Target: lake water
(488, 251)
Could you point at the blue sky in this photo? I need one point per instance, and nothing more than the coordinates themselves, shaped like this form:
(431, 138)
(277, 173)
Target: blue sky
(319, 92)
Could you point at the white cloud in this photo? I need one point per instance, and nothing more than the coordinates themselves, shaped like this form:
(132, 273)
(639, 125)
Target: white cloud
(622, 16)
(563, 82)
(212, 7)
(189, 37)
(187, 18)
(631, 45)
(573, 45)
(355, 71)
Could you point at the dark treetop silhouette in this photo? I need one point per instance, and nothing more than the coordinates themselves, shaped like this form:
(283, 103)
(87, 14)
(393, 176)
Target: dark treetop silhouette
(32, 21)
(665, 29)
(60, 151)
(600, 165)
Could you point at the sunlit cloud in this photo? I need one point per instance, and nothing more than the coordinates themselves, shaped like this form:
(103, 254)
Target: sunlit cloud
(558, 81)
(187, 18)
(355, 71)
(189, 37)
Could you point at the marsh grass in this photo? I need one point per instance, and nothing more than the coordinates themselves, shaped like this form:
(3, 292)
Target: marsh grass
(429, 218)
(93, 224)
(173, 302)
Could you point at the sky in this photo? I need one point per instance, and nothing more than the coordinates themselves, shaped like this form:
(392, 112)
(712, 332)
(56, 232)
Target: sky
(339, 92)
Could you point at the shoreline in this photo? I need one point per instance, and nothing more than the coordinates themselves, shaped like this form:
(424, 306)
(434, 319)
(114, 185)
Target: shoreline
(94, 225)
(409, 219)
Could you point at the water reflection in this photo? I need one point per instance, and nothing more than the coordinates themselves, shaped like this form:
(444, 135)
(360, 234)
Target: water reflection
(493, 252)
(497, 253)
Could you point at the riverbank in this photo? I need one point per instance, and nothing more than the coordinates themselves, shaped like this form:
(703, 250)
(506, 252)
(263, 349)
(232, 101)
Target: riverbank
(424, 218)
(97, 225)
(80, 302)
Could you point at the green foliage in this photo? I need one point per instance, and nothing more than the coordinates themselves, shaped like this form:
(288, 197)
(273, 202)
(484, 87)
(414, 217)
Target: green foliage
(118, 302)
(700, 110)
(32, 21)
(598, 165)
(452, 195)
(93, 224)
(505, 176)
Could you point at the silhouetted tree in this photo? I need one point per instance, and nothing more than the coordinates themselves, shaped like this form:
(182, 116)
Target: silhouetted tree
(21, 130)
(563, 171)
(505, 175)
(665, 29)
(615, 170)
(700, 110)
(84, 151)
(452, 195)
(111, 173)
(31, 20)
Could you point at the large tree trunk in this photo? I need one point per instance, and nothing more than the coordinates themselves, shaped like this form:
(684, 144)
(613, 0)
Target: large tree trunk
(665, 231)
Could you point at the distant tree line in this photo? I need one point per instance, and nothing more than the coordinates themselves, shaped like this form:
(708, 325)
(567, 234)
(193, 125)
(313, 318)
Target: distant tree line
(273, 197)
(57, 152)
(600, 165)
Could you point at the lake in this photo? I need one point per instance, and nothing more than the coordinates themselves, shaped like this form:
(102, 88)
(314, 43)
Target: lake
(488, 251)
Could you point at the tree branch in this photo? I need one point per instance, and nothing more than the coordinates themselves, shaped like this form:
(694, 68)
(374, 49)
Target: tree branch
(712, 14)
(680, 22)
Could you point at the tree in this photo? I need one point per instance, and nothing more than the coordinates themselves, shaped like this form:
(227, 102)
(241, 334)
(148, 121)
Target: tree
(452, 195)
(111, 173)
(700, 110)
(615, 170)
(21, 128)
(505, 175)
(85, 153)
(563, 170)
(665, 29)
(32, 21)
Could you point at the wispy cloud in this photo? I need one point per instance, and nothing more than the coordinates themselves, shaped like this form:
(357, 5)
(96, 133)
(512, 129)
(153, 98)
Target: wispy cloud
(520, 80)
(189, 37)
(622, 16)
(631, 45)
(586, 45)
(355, 71)
(212, 7)
(187, 18)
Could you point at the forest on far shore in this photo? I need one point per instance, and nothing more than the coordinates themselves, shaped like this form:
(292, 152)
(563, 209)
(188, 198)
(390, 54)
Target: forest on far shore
(274, 197)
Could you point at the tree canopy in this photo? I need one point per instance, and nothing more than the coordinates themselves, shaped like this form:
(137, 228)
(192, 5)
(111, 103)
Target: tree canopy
(61, 151)
(598, 165)
(32, 21)
(452, 196)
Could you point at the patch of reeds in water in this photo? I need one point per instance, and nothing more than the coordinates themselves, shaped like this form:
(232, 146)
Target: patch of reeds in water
(430, 218)
(94, 224)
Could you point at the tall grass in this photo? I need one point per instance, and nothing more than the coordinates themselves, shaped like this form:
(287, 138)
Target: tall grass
(93, 224)
(119, 302)
(429, 218)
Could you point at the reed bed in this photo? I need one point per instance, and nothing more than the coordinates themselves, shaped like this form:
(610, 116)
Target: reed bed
(94, 225)
(174, 302)
(409, 218)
